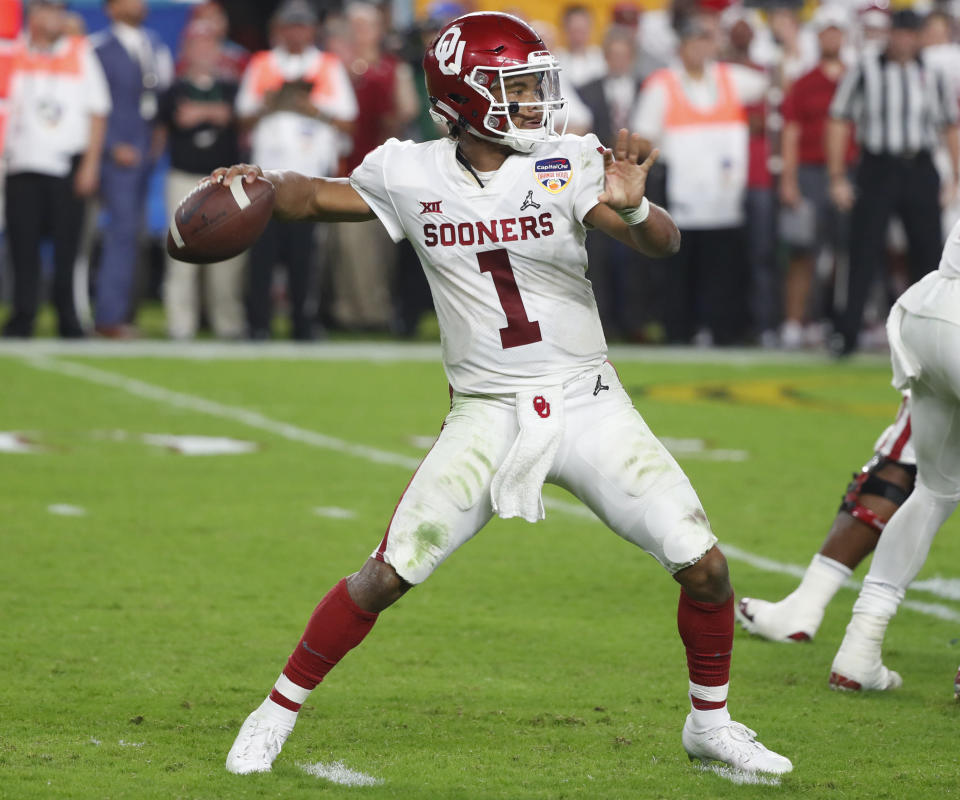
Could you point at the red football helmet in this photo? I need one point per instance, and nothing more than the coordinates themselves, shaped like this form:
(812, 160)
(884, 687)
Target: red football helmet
(467, 66)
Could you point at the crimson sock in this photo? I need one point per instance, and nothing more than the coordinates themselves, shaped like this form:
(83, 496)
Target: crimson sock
(707, 633)
(336, 626)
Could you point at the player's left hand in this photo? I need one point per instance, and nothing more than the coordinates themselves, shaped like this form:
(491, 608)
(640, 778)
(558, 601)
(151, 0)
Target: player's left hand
(624, 180)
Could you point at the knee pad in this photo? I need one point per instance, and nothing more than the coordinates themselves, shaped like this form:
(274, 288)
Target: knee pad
(867, 482)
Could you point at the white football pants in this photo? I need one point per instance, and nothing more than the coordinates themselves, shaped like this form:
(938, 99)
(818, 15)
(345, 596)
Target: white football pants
(608, 458)
(935, 422)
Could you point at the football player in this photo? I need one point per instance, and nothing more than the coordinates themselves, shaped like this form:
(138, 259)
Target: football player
(498, 212)
(924, 334)
(879, 489)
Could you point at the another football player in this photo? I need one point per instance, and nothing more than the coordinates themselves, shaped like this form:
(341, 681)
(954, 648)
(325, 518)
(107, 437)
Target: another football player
(924, 334)
(498, 213)
(879, 489)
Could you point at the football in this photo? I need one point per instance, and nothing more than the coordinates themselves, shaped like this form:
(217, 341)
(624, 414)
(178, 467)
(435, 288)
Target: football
(216, 222)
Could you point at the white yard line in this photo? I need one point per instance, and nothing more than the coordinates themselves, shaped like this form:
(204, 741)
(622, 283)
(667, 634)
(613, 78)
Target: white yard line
(66, 510)
(697, 448)
(334, 512)
(740, 777)
(947, 588)
(252, 419)
(944, 588)
(338, 772)
(200, 445)
(389, 351)
(13, 442)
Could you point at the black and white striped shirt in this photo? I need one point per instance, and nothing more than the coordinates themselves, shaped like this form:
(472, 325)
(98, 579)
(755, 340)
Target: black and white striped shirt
(898, 109)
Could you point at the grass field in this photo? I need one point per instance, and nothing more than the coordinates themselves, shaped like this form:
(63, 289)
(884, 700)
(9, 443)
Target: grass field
(149, 599)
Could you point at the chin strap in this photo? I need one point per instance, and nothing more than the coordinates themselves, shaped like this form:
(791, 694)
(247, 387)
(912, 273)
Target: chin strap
(468, 166)
(509, 139)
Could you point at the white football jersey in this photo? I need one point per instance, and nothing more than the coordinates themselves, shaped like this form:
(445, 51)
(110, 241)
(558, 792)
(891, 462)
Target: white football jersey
(506, 263)
(937, 294)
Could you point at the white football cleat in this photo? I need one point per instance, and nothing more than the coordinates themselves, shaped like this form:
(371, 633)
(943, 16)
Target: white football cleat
(778, 622)
(956, 686)
(257, 744)
(854, 672)
(733, 744)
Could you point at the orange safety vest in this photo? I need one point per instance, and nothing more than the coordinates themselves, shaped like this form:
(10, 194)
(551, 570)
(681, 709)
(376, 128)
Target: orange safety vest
(7, 55)
(11, 18)
(680, 112)
(16, 57)
(705, 150)
(67, 61)
(266, 76)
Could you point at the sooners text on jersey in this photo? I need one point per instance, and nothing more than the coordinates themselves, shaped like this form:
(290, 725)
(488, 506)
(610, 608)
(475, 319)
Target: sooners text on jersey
(494, 231)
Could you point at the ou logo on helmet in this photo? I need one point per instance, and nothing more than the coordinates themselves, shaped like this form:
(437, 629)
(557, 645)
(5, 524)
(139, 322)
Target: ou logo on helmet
(449, 52)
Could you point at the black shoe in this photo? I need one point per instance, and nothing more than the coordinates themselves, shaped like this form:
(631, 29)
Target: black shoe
(17, 332)
(18, 326)
(72, 332)
(309, 333)
(840, 346)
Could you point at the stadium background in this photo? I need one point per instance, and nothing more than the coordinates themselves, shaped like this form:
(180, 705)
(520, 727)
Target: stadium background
(248, 26)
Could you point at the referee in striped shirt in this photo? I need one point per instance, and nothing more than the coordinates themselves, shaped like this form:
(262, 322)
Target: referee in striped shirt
(900, 106)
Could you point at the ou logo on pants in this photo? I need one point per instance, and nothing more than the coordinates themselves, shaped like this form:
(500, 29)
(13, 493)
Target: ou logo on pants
(541, 406)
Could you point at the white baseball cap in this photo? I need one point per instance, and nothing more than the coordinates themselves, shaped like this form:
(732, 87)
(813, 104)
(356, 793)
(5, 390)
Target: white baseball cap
(874, 16)
(830, 16)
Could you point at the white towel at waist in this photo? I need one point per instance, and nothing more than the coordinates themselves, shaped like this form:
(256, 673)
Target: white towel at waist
(905, 366)
(515, 490)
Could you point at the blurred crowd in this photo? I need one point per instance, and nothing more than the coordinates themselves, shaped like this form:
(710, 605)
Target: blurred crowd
(809, 154)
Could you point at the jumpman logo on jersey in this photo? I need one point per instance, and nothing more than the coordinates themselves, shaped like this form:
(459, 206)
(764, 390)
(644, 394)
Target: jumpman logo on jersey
(599, 387)
(529, 201)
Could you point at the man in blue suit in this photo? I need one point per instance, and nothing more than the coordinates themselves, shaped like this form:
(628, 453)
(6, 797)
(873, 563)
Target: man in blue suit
(138, 67)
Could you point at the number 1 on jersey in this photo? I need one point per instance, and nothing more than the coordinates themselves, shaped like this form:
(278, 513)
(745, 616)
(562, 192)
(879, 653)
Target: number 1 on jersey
(520, 328)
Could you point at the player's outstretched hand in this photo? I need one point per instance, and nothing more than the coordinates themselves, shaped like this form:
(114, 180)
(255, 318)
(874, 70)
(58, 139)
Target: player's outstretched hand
(625, 181)
(225, 175)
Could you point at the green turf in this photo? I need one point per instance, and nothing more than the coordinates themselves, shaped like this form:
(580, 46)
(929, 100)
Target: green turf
(539, 662)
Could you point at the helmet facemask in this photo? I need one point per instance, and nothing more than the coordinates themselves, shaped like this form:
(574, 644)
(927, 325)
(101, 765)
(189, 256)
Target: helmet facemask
(487, 67)
(545, 99)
